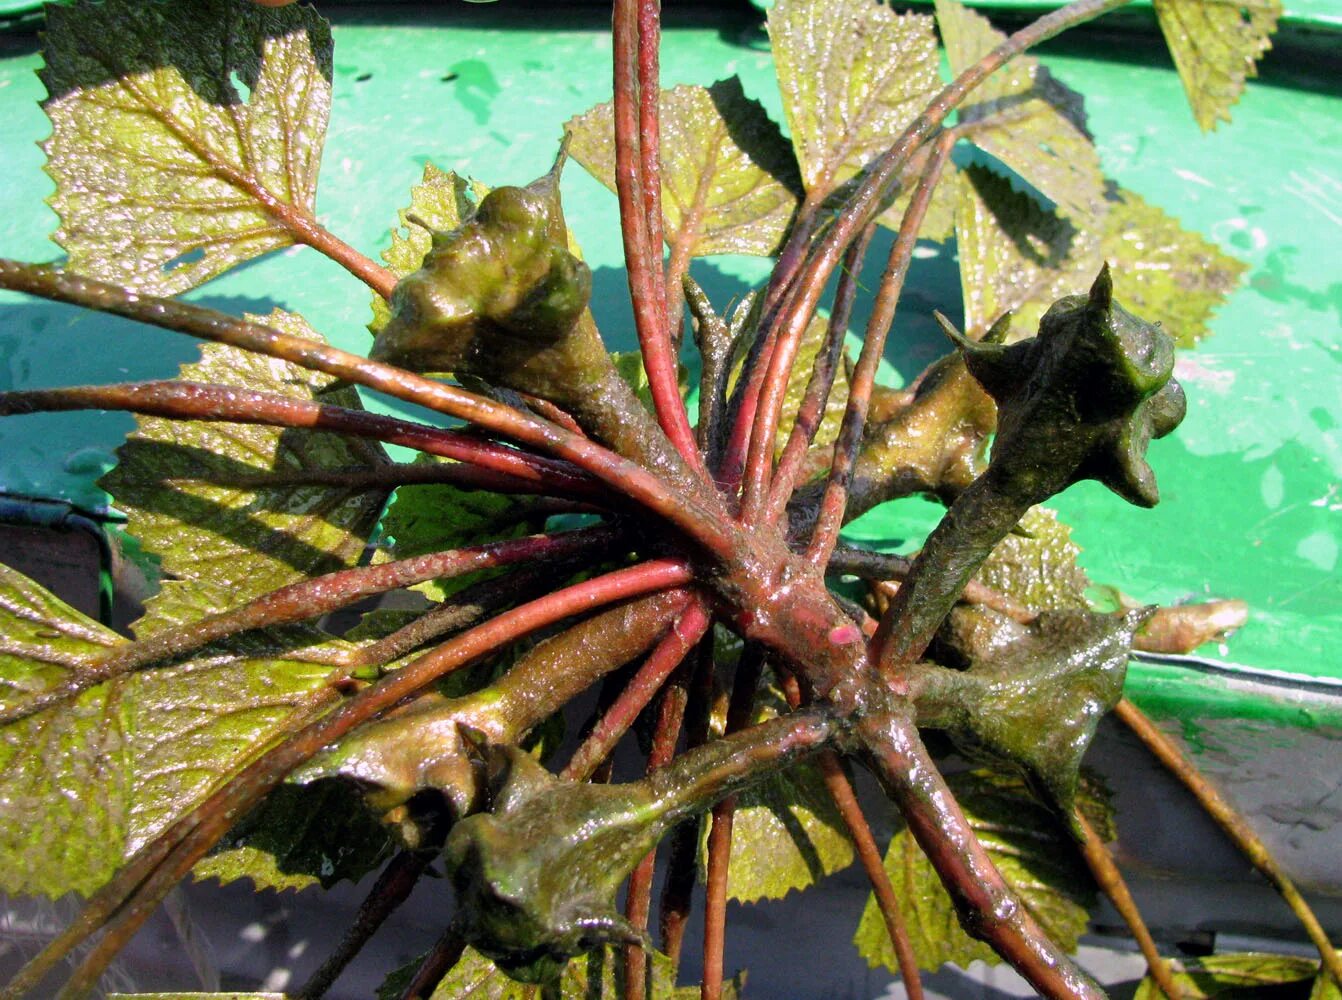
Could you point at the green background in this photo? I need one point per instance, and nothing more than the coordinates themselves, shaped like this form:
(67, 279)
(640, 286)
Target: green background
(1249, 482)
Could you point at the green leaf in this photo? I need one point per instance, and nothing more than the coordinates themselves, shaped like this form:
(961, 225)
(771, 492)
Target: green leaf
(729, 181)
(1015, 256)
(598, 976)
(1325, 986)
(1038, 569)
(1031, 850)
(182, 134)
(1215, 45)
(1023, 117)
(441, 201)
(246, 540)
(1163, 272)
(1241, 976)
(786, 834)
(437, 517)
(786, 831)
(115, 765)
(301, 836)
(853, 75)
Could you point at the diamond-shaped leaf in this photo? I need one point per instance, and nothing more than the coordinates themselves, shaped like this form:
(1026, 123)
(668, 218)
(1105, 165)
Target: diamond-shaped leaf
(1026, 843)
(442, 201)
(183, 134)
(249, 540)
(1216, 45)
(729, 180)
(115, 765)
(1025, 118)
(1038, 569)
(1163, 272)
(436, 517)
(853, 74)
(1015, 255)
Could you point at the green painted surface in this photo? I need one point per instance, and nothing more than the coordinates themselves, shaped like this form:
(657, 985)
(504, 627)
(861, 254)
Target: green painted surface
(1249, 482)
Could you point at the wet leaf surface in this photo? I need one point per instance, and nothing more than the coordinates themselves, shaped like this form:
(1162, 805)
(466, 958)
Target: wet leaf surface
(729, 180)
(247, 540)
(1026, 119)
(1216, 46)
(180, 132)
(1026, 843)
(120, 761)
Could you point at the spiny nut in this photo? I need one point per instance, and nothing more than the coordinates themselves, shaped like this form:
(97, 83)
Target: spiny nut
(1083, 399)
(502, 273)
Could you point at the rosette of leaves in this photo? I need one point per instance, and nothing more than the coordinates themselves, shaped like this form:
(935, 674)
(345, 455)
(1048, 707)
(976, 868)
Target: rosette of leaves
(186, 140)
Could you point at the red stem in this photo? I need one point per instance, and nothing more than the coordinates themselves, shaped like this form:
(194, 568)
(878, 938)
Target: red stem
(638, 898)
(654, 672)
(124, 903)
(195, 401)
(988, 909)
(683, 856)
(850, 810)
(747, 679)
(818, 389)
(445, 954)
(309, 599)
(698, 522)
(830, 518)
(858, 212)
(635, 73)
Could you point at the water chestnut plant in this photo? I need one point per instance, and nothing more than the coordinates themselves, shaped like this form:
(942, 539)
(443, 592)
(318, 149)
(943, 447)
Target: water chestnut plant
(574, 526)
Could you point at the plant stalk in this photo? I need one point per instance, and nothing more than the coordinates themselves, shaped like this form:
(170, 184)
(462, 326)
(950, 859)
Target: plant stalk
(698, 521)
(393, 887)
(177, 400)
(1111, 883)
(1235, 827)
(128, 899)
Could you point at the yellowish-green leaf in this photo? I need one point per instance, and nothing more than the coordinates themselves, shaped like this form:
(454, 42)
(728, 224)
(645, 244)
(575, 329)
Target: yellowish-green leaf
(1216, 45)
(301, 836)
(1016, 256)
(729, 181)
(853, 75)
(597, 976)
(786, 832)
(248, 540)
(1325, 986)
(1029, 847)
(441, 201)
(1038, 569)
(115, 765)
(1242, 976)
(436, 517)
(184, 134)
(1025, 118)
(1163, 272)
